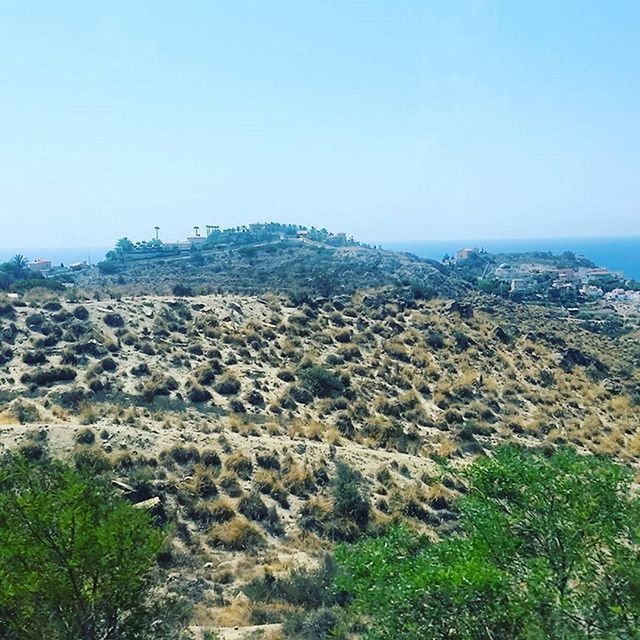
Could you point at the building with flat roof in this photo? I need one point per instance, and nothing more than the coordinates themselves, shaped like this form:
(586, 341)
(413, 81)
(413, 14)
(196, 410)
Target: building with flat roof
(40, 265)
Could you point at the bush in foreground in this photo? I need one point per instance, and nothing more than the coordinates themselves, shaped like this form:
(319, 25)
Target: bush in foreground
(549, 550)
(75, 560)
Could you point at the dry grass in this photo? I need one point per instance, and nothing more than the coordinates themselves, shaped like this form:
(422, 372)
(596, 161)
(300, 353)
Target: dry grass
(238, 534)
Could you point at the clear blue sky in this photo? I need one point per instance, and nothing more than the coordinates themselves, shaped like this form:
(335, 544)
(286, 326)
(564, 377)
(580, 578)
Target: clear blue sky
(388, 119)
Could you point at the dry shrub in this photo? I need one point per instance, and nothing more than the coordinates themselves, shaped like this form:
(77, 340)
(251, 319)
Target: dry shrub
(240, 463)
(237, 534)
(299, 480)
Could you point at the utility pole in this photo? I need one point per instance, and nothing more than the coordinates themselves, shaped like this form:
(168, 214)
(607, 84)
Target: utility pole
(157, 230)
(209, 229)
(197, 229)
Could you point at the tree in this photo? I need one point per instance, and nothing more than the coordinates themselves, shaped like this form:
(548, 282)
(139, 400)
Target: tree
(550, 550)
(19, 264)
(75, 559)
(124, 245)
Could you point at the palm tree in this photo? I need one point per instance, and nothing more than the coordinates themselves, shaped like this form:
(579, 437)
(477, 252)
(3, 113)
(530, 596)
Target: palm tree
(19, 263)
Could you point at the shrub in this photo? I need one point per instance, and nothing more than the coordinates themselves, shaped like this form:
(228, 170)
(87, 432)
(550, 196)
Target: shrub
(204, 482)
(268, 460)
(229, 482)
(548, 550)
(311, 589)
(183, 454)
(64, 536)
(182, 291)
(91, 460)
(240, 464)
(303, 587)
(34, 357)
(42, 377)
(286, 375)
(81, 313)
(113, 320)
(435, 340)
(228, 385)
(159, 385)
(253, 507)
(108, 364)
(255, 398)
(141, 369)
(210, 458)
(25, 412)
(221, 510)
(297, 394)
(320, 382)
(207, 373)
(237, 406)
(85, 436)
(298, 480)
(349, 498)
(314, 625)
(197, 393)
(206, 512)
(236, 535)
(32, 450)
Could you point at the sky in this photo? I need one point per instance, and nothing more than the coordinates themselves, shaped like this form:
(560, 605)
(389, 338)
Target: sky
(389, 120)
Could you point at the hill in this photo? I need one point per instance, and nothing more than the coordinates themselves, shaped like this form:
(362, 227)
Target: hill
(248, 409)
(235, 409)
(263, 259)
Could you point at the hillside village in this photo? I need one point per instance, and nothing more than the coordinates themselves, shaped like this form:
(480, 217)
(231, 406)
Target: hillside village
(543, 276)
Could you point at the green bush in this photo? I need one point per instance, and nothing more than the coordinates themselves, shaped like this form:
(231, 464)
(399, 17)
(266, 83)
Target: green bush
(228, 385)
(75, 560)
(42, 377)
(320, 382)
(549, 550)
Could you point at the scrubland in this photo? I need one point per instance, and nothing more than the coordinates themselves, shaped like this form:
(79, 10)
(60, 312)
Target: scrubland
(241, 412)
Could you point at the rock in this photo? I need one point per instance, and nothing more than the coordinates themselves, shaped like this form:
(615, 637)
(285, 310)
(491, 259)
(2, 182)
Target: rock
(148, 504)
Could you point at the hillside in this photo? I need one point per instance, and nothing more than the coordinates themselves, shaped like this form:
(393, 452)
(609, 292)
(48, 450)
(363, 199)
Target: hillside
(300, 265)
(234, 409)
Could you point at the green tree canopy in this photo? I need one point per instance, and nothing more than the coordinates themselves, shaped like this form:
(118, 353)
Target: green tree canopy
(549, 550)
(75, 559)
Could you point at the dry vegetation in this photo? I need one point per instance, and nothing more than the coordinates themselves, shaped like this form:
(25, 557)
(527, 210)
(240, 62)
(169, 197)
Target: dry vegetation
(233, 410)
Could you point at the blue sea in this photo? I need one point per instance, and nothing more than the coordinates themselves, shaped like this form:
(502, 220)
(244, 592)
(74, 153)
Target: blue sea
(58, 256)
(617, 254)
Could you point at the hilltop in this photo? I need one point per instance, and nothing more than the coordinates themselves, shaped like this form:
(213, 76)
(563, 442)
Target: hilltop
(261, 258)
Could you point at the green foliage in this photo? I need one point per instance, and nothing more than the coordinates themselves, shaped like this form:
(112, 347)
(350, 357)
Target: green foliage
(313, 591)
(349, 499)
(550, 550)
(307, 588)
(16, 274)
(75, 559)
(125, 245)
(320, 382)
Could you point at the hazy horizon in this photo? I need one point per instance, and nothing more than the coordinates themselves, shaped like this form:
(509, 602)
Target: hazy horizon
(373, 241)
(410, 120)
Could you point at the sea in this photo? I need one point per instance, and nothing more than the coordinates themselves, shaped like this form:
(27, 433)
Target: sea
(621, 254)
(58, 256)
